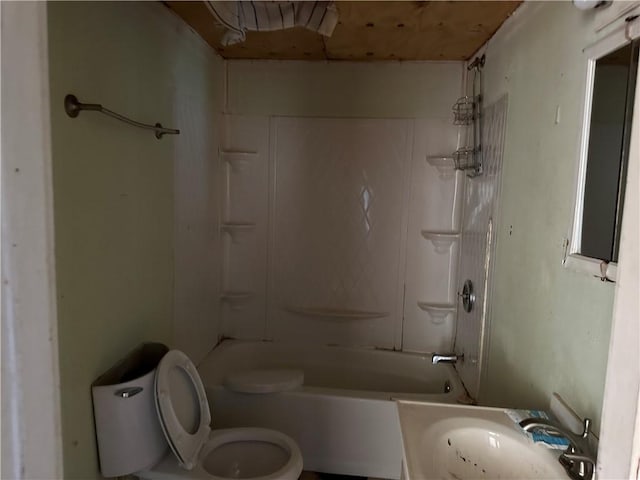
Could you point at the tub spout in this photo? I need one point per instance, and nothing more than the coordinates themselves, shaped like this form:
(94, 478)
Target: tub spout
(446, 358)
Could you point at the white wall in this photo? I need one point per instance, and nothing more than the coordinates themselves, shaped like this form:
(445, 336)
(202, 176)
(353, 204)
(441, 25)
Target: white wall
(31, 431)
(619, 448)
(198, 103)
(343, 89)
(125, 202)
(550, 327)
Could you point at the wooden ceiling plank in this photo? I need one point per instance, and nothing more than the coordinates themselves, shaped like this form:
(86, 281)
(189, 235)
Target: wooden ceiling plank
(198, 17)
(368, 31)
(293, 44)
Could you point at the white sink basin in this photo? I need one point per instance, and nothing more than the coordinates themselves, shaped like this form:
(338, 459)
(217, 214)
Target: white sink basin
(461, 442)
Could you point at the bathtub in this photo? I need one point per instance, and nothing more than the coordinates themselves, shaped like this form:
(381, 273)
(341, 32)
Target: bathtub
(344, 417)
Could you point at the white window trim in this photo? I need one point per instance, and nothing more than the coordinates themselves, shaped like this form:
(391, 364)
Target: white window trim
(592, 266)
(573, 260)
(619, 447)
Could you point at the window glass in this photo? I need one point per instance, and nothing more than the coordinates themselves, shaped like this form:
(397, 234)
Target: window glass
(609, 138)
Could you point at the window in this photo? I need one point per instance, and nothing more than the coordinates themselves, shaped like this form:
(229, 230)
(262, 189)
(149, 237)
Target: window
(604, 157)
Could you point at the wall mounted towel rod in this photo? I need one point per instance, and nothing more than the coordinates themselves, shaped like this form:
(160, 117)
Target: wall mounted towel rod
(73, 107)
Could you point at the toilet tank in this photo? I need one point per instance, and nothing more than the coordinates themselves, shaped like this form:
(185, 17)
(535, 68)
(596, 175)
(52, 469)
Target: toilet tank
(128, 432)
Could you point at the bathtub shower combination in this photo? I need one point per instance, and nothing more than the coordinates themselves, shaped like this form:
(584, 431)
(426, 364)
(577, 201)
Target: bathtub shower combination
(345, 242)
(344, 417)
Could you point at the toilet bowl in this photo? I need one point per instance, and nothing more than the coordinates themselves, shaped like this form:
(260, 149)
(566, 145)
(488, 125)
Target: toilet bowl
(249, 453)
(177, 397)
(197, 452)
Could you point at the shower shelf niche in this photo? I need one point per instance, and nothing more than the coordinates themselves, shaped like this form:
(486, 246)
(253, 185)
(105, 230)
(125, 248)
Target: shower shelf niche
(237, 160)
(336, 313)
(442, 240)
(235, 229)
(437, 311)
(236, 300)
(444, 164)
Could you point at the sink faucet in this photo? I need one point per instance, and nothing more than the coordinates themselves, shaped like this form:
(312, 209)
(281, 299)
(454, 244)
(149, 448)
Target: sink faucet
(578, 459)
(448, 358)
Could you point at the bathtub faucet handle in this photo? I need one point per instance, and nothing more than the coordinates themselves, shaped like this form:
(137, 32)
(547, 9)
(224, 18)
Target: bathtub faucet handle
(446, 358)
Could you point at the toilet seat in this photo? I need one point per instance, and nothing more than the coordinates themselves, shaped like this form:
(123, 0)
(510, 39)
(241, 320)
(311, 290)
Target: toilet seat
(178, 388)
(184, 414)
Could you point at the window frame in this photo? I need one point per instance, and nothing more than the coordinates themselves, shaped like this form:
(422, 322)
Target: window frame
(573, 259)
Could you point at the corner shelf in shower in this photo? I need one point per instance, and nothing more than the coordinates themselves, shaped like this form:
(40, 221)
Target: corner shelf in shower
(442, 240)
(444, 164)
(336, 313)
(235, 229)
(235, 299)
(237, 160)
(437, 311)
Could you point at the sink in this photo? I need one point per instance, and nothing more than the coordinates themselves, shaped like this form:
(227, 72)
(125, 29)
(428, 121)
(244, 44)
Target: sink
(465, 447)
(455, 442)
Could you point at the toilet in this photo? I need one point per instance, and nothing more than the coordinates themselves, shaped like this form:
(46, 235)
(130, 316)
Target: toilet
(182, 419)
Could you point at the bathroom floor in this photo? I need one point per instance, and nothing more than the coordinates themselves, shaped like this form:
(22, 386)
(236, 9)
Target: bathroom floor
(329, 476)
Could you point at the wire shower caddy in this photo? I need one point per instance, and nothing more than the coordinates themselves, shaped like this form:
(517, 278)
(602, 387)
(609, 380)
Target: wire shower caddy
(464, 111)
(467, 111)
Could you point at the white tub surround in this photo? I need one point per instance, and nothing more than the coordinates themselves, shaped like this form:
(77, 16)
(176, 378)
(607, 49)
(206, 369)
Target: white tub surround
(335, 230)
(478, 245)
(343, 417)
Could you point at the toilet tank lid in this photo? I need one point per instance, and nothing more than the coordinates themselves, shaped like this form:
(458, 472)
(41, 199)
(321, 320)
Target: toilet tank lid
(264, 380)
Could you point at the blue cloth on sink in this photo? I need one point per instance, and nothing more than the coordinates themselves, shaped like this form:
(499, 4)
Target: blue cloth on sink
(547, 438)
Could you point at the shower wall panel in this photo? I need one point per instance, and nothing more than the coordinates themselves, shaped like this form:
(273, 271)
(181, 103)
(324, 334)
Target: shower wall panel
(339, 220)
(435, 206)
(478, 244)
(328, 245)
(245, 162)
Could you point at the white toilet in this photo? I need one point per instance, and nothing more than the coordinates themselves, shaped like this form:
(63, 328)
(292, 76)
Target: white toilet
(196, 451)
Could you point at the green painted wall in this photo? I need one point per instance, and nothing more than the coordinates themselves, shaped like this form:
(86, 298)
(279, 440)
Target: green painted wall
(550, 327)
(114, 189)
